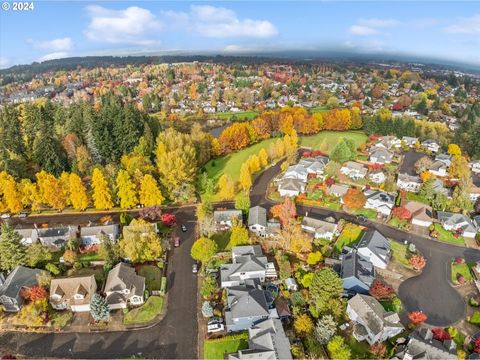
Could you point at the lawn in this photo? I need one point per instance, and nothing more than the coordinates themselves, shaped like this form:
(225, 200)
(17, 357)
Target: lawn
(350, 235)
(98, 272)
(360, 350)
(145, 313)
(399, 223)
(447, 236)
(229, 115)
(91, 256)
(415, 197)
(368, 213)
(326, 140)
(399, 253)
(153, 277)
(222, 239)
(463, 270)
(216, 348)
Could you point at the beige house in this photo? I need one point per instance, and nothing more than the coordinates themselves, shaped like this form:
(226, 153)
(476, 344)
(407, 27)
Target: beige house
(124, 287)
(73, 293)
(422, 214)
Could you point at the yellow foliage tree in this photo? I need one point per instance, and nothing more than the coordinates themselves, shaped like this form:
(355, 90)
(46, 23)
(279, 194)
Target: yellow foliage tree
(139, 242)
(50, 190)
(454, 149)
(426, 175)
(78, 192)
(263, 158)
(150, 194)
(30, 194)
(226, 187)
(245, 177)
(102, 196)
(254, 164)
(12, 197)
(126, 190)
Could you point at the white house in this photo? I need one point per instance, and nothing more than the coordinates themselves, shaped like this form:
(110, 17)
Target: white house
(475, 166)
(377, 176)
(410, 141)
(379, 155)
(296, 172)
(431, 145)
(338, 190)
(409, 183)
(371, 322)
(291, 187)
(379, 201)
(457, 222)
(376, 248)
(319, 228)
(438, 168)
(354, 170)
(389, 142)
(257, 220)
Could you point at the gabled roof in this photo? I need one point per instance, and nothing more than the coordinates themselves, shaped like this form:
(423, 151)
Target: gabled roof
(298, 169)
(404, 177)
(19, 277)
(320, 226)
(376, 243)
(422, 345)
(418, 210)
(246, 301)
(291, 184)
(68, 287)
(380, 196)
(340, 189)
(226, 215)
(113, 229)
(353, 265)
(123, 277)
(455, 220)
(257, 215)
(372, 315)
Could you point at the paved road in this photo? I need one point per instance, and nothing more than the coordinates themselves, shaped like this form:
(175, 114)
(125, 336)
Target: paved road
(174, 337)
(431, 291)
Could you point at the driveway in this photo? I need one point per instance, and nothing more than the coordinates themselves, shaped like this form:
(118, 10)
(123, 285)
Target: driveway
(431, 291)
(174, 337)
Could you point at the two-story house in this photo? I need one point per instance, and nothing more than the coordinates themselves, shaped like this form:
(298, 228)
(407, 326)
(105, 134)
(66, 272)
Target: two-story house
(319, 228)
(73, 293)
(379, 201)
(354, 170)
(375, 247)
(409, 183)
(124, 287)
(20, 279)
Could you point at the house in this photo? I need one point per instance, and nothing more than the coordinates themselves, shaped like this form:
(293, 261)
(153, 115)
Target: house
(430, 145)
(475, 166)
(422, 345)
(371, 322)
(248, 262)
(225, 219)
(375, 247)
(319, 228)
(26, 235)
(422, 214)
(377, 176)
(409, 183)
(92, 235)
(266, 340)
(291, 187)
(291, 284)
(296, 172)
(257, 221)
(438, 168)
(54, 238)
(379, 201)
(314, 165)
(354, 170)
(246, 306)
(72, 293)
(123, 287)
(438, 188)
(282, 305)
(388, 142)
(445, 158)
(21, 278)
(357, 273)
(410, 141)
(379, 155)
(457, 222)
(338, 190)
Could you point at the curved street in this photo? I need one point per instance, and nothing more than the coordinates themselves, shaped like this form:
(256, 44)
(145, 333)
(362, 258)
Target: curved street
(176, 335)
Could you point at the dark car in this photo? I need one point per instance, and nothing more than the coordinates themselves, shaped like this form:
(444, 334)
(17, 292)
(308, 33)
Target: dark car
(176, 241)
(362, 218)
(215, 320)
(184, 228)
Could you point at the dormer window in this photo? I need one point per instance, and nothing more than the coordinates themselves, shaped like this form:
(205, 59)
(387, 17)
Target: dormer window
(126, 291)
(78, 296)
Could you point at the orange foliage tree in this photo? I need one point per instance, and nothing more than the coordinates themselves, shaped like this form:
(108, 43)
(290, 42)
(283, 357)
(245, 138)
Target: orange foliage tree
(418, 262)
(417, 317)
(354, 199)
(285, 212)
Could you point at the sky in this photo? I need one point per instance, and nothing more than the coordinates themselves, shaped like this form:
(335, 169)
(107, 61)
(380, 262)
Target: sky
(447, 30)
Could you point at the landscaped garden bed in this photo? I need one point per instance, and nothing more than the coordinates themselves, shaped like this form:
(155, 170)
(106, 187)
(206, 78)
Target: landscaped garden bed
(444, 235)
(461, 272)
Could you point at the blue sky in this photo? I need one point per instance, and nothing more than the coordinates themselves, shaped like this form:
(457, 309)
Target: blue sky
(55, 29)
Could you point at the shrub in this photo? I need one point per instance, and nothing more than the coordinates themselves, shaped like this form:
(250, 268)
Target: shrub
(378, 351)
(459, 260)
(381, 291)
(418, 262)
(473, 301)
(417, 317)
(52, 268)
(440, 334)
(475, 318)
(460, 279)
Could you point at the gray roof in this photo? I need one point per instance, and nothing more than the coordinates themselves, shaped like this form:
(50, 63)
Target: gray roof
(439, 188)
(267, 340)
(299, 169)
(437, 165)
(376, 243)
(320, 226)
(227, 215)
(52, 236)
(353, 265)
(380, 196)
(244, 302)
(257, 215)
(291, 184)
(455, 219)
(404, 177)
(422, 345)
(113, 230)
(123, 277)
(245, 259)
(372, 315)
(381, 154)
(18, 278)
(339, 189)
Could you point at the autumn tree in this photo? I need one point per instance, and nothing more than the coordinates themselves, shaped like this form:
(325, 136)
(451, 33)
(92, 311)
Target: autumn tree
(381, 291)
(285, 212)
(337, 349)
(354, 199)
(454, 150)
(35, 293)
(126, 190)
(459, 168)
(253, 164)
(140, 242)
(102, 196)
(77, 192)
(51, 190)
(150, 194)
(417, 262)
(245, 177)
(11, 195)
(378, 350)
(226, 187)
(303, 325)
(417, 317)
(70, 256)
(242, 202)
(203, 249)
(294, 240)
(402, 213)
(263, 158)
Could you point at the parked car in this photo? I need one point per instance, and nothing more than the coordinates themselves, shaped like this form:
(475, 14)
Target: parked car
(5, 216)
(215, 320)
(195, 268)
(23, 215)
(215, 328)
(176, 241)
(362, 218)
(184, 228)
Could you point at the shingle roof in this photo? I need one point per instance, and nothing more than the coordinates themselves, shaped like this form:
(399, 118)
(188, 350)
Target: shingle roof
(376, 243)
(353, 265)
(257, 215)
(421, 345)
(246, 301)
(291, 184)
(123, 277)
(19, 277)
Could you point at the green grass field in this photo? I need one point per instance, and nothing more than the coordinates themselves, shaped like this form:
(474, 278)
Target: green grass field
(447, 236)
(326, 140)
(463, 270)
(350, 235)
(216, 348)
(146, 312)
(399, 253)
(249, 115)
(318, 109)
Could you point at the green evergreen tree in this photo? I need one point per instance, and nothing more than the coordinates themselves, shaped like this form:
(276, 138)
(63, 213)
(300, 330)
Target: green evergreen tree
(12, 251)
(99, 308)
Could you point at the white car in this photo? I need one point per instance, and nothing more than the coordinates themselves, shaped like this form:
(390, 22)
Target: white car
(5, 216)
(213, 328)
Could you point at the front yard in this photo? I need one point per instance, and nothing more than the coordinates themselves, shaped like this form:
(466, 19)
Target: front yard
(153, 276)
(222, 239)
(461, 270)
(368, 213)
(217, 348)
(350, 235)
(145, 313)
(448, 236)
(399, 253)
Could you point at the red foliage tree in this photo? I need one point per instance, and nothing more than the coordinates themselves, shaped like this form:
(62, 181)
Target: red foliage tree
(402, 213)
(307, 154)
(381, 291)
(417, 317)
(378, 350)
(376, 166)
(168, 219)
(330, 181)
(418, 262)
(285, 212)
(476, 345)
(459, 260)
(440, 334)
(35, 293)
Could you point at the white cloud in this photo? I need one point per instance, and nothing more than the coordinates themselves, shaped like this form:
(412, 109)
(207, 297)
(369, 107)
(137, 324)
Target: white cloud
(361, 30)
(367, 27)
(134, 25)
(54, 55)
(219, 22)
(469, 25)
(4, 62)
(62, 44)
